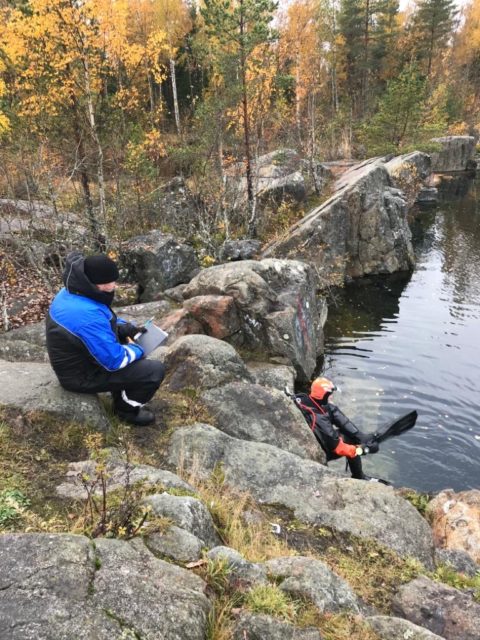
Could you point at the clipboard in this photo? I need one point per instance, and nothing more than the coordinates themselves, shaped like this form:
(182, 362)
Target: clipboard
(152, 338)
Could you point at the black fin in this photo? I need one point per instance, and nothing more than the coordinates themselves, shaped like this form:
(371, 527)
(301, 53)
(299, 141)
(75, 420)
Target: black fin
(395, 428)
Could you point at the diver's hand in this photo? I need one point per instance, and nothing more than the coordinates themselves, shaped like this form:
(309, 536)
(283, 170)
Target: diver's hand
(369, 447)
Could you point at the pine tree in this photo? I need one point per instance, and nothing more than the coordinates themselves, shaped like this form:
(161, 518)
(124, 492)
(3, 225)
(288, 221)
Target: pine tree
(433, 24)
(399, 116)
(351, 22)
(236, 28)
(385, 39)
(369, 30)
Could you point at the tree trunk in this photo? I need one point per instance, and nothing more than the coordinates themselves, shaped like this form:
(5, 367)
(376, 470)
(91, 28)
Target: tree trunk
(175, 97)
(334, 61)
(94, 133)
(365, 57)
(297, 100)
(95, 227)
(151, 95)
(430, 51)
(252, 223)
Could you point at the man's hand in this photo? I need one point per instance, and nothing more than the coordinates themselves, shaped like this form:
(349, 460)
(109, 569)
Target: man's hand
(128, 330)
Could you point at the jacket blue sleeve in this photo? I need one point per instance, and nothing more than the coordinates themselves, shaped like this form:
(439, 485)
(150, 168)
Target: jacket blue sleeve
(103, 345)
(91, 322)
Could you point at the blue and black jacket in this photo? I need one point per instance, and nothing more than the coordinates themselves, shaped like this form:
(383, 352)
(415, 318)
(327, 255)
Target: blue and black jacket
(82, 334)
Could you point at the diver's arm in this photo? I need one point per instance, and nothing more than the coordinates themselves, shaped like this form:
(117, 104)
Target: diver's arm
(346, 426)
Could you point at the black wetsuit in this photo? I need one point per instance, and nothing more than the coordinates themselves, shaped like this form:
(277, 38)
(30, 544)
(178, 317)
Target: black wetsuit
(329, 424)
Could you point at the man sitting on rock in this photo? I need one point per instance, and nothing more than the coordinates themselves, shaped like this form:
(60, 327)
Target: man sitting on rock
(90, 349)
(336, 434)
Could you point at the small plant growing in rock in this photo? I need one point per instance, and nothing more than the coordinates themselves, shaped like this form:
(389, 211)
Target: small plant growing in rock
(271, 600)
(119, 514)
(446, 574)
(207, 261)
(418, 500)
(12, 504)
(216, 574)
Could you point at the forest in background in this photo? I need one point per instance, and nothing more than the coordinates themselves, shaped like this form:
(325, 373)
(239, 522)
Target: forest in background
(103, 102)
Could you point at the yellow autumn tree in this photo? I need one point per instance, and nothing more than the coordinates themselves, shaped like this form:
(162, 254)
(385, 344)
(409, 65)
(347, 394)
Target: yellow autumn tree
(309, 51)
(465, 57)
(299, 44)
(65, 57)
(172, 17)
(4, 122)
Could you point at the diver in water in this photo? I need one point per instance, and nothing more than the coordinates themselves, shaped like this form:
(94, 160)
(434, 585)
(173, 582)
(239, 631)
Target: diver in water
(336, 434)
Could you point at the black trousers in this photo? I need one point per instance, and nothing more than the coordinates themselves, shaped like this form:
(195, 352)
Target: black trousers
(130, 387)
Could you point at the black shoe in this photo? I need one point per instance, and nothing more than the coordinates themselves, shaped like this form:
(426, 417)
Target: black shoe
(139, 418)
(373, 479)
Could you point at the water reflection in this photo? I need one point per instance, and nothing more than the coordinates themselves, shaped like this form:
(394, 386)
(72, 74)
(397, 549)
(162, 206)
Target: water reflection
(412, 341)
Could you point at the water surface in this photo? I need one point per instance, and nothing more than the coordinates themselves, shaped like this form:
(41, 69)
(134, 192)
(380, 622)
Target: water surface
(412, 341)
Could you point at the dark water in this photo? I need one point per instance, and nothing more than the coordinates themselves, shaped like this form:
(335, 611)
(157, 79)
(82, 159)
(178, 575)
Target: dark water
(413, 342)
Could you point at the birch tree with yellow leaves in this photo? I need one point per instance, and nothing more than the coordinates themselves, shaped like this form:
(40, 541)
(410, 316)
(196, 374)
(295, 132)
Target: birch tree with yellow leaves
(64, 57)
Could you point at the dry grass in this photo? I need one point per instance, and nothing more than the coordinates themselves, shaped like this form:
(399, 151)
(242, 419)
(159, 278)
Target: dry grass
(35, 450)
(345, 627)
(240, 523)
(374, 572)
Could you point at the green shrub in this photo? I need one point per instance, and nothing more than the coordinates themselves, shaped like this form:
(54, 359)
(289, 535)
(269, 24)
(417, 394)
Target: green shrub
(271, 600)
(12, 504)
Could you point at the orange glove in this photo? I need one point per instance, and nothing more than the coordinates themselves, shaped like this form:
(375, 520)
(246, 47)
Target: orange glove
(348, 450)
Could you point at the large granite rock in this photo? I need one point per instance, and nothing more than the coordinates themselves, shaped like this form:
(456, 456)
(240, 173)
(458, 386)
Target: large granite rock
(389, 628)
(459, 561)
(201, 362)
(408, 173)
(455, 520)
(65, 587)
(448, 612)
(34, 387)
(22, 351)
(280, 175)
(177, 324)
(157, 261)
(36, 219)
(252, 412)
(313, 492)
(262, 627)
(309, 579)
(455, 155)
(233, 250)
(216, 315)
(119, 473)
(25, 344)
(139, 313)
(277, 376)
(176, 543)
(427, 196)
(276, 305)
(241, 573)
(362, 229)
(187, 513)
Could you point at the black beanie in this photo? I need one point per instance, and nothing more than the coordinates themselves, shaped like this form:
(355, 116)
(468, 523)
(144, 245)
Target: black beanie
(100, 269)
